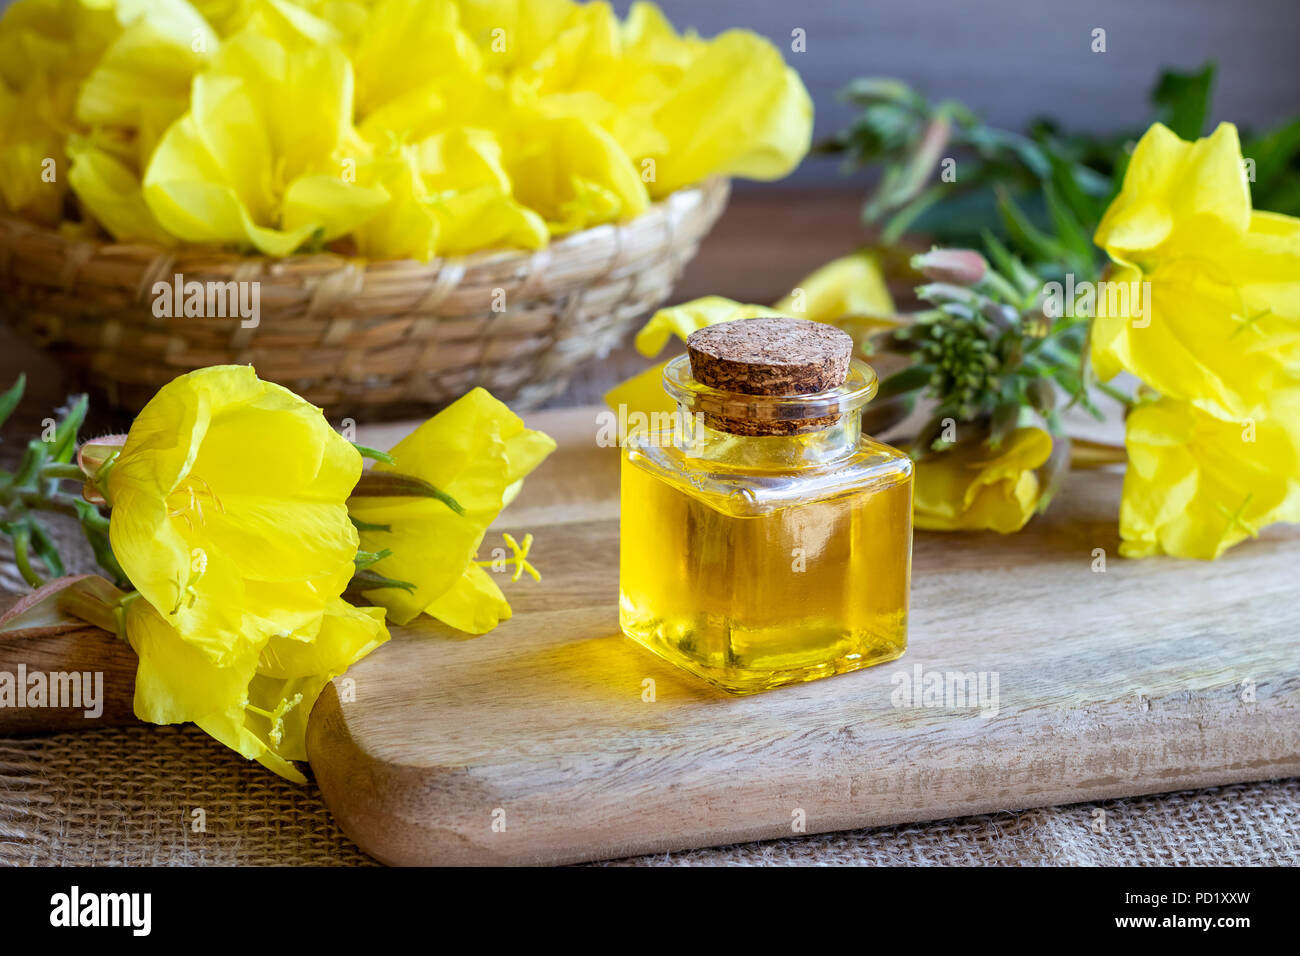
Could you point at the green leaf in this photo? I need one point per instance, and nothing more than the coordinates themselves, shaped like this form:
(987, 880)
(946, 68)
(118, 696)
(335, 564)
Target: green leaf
(908, 380)
(1025, 234)
(45, 549)
(95, 527)
(388, 484)
(65, 435)
(365, 559)
(367, 580)
(368, 526)
(10, 399)
(1009, 264)
(1072, 235)
(375, 453)
(902, 220)
(1276, 155)
(1184, 100)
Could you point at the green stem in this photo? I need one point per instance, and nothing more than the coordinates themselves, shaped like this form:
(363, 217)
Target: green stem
(22, 540)
(59, 504)
(58, 469)
(1003, 286)
(1115, 393)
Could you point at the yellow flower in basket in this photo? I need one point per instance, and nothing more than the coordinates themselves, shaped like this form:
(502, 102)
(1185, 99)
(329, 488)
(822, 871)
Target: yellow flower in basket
(228, 510)
(247, 124)
(451, 195)
(404, 46)
(757, 115)
(263, 157)
(476, 451)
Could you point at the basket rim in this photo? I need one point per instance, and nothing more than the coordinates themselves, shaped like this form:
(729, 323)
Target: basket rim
(14, 230)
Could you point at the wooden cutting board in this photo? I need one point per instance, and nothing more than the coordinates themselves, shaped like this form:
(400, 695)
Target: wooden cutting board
(554, 739)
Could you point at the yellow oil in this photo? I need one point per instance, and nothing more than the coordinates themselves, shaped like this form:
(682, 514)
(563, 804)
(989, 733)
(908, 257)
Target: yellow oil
(752, 578)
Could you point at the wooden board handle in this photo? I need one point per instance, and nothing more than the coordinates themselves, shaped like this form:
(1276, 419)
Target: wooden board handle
(58, 673)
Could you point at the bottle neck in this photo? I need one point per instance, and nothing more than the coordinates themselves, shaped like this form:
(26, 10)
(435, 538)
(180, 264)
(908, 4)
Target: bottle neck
(819, 446)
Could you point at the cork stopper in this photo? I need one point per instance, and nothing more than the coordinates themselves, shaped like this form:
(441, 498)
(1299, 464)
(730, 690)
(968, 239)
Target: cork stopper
(770, 356)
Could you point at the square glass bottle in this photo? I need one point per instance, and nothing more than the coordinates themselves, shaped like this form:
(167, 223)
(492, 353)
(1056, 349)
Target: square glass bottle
(765, 540)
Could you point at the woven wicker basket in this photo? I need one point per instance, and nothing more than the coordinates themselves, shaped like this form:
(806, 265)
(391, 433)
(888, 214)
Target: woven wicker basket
(371, 339)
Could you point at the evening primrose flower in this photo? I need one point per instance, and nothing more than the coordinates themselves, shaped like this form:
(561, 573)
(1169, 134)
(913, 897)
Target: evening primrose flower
(976, 488)
(476, 451)
(142, 80)
(228, 510)
(46, 49)
(1222, 326)
(1198, 483)
(451, 195)
(573, 173)
(259, 701)
(260, 159)
(737, 110)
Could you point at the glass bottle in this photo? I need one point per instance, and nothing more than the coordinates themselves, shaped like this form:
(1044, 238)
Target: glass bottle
(765, 540)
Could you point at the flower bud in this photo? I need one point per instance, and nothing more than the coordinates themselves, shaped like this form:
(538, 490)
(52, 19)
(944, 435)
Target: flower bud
(958, 266)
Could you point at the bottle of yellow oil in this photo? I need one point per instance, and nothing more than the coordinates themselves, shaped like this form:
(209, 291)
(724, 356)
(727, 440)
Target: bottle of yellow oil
(765, 540)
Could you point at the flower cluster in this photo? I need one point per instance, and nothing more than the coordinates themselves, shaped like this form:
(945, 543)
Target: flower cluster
(392, 128)
(241, 521)
(1214, 437)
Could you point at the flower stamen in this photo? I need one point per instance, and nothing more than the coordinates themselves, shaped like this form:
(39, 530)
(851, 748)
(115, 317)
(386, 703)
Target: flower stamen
(194, 500)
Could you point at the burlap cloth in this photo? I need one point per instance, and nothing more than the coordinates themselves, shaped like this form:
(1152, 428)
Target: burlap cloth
(128, 796)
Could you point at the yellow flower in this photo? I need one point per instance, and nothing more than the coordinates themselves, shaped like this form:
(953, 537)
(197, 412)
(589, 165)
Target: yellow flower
(262, 158)
(109, 191)
(1197, 483)
(1222, 324)
(477, 451)
(975, 488)
(850, 289)
(228, 510)
(451, 195)
(258, 703)
(737, 111)
(513, 33)
(405, 45)
(142, 80)
(573, 173)
(33, 170)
